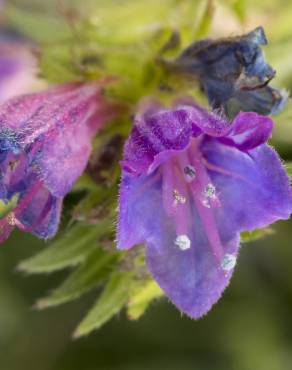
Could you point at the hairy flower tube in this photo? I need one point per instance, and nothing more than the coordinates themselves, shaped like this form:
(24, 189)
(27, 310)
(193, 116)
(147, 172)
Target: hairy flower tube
(191, 182)
(233, 73)
(45, 143)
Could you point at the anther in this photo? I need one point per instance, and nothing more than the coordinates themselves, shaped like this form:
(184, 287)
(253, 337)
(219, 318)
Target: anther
(183, 242)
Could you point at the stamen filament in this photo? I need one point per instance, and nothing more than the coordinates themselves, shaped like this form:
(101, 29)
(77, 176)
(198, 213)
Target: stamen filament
(182, 215)
(168, 188)
(206, 214)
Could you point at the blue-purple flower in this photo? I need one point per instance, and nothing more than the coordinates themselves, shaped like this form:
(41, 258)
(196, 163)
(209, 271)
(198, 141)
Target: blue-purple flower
(233, 73)
(191, 182)
(45, 143)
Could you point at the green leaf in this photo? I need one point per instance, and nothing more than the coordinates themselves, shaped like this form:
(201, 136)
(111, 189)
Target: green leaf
(70, 249)
(7, 207)
(143, 295)
(84, 182)
(27, 19)
(248, 236)
(280, 28)
(205, 20)
(127, 22)
(288, 166)
(96, 204)
(114, 296)
(121, 41)
(47, 21)
(94, 270)
(239, 9)
(59, 62)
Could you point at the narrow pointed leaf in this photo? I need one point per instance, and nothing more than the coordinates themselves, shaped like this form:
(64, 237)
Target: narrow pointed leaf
(142, 297)
(7, 207)
(288, 166)
(111, 301)
(205, 21)
(88, 275)
(249, 236)
(68, 250)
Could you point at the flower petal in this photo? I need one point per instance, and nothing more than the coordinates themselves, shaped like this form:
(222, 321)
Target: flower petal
(253, 187)
(45, 126)
(193, 278)
(45, 143)
(64, 158)
(16, 113)
(43, 224)
(168, 130)
(265, 100)
(138, 198)
(249, 130)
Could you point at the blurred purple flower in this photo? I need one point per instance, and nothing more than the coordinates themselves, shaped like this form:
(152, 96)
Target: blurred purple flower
(45, 143)
(17, 67)
(191, 182)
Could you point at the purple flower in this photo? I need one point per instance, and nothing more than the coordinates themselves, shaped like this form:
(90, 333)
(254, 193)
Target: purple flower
(17, 67)
(45, 143)
(191, 182)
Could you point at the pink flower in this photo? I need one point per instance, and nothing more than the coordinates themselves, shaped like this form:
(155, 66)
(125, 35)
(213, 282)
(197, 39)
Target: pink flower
(45, 143)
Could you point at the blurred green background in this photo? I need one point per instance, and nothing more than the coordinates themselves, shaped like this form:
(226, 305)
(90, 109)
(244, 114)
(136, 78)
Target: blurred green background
(251, 326)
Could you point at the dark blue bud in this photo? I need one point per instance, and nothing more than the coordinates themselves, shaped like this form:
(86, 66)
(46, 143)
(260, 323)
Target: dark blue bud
(265, 100)
(231, 68)
(258, 36)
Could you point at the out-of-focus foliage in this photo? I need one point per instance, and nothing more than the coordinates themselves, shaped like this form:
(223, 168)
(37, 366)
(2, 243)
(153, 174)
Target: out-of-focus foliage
(118, 38)
(81, 40)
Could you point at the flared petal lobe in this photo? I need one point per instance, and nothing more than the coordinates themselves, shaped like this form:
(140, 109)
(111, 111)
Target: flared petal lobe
(253, 186)
(167, 131)
(171, 130)
(192, 197)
